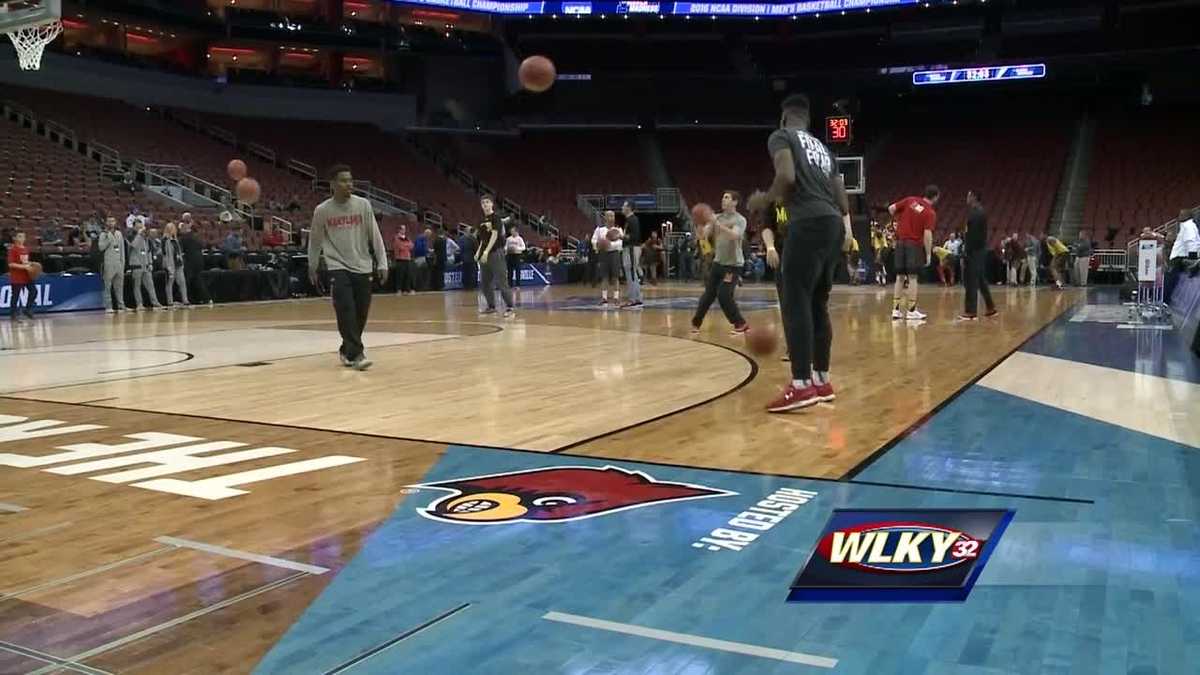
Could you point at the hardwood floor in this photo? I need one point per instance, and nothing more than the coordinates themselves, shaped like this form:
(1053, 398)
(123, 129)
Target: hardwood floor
(329, 452)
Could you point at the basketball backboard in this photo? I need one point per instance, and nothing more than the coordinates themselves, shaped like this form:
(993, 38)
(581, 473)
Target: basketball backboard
(854, 174)
(16, 14)
(31, 25)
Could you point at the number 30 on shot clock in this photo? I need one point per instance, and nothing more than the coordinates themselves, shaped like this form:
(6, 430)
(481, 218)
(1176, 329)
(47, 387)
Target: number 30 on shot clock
(837, 129)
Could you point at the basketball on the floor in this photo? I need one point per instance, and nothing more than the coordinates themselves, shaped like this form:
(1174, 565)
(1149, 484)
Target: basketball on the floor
(537, 73)
(35, 270)
(236, 169)
(762, 340)
(614, 234)
(248, 190)
(702, 214)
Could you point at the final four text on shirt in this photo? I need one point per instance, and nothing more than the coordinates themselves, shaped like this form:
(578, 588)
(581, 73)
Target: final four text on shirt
(744, 528)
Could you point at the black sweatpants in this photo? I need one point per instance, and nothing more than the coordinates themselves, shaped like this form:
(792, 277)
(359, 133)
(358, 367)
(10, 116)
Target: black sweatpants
(513, 260)
(197, 288)
(975, 281)
(351, 294)
(15, 305)
(403, 277)
(812, 252)
(718, 288)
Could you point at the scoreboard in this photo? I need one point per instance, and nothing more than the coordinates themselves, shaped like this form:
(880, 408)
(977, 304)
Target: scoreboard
(980, 74)
(729, 8)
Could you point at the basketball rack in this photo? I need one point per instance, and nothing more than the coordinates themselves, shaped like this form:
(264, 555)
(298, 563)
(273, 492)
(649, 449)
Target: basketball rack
(31, 25)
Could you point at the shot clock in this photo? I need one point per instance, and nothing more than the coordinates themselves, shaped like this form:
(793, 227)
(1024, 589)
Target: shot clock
(838, 129)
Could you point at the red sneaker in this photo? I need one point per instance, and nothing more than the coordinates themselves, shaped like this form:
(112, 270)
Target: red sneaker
(792, 398)
(825, 392)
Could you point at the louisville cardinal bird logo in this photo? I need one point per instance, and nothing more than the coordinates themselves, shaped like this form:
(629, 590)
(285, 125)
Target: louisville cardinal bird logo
(554, 495)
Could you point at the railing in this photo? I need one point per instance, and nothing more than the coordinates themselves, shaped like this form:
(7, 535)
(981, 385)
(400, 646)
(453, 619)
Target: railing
(307, 170)
(61, 134)
(1167, 229)
(282, 224)
(262, 151)
(1110, 260)
(18, 112)
(223, 135)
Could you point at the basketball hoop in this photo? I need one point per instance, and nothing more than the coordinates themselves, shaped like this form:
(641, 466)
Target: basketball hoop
(30, 41)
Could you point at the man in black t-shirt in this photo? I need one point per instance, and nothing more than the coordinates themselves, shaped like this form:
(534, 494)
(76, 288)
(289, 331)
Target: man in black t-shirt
(808, 185)
(975, 253)
(490, 258)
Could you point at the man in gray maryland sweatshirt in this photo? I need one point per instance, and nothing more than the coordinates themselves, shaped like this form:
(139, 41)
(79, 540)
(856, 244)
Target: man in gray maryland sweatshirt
(344, 231)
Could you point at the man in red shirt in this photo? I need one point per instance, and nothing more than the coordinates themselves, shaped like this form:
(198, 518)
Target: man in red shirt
(18, 277)
(402, 251)
(915, 219)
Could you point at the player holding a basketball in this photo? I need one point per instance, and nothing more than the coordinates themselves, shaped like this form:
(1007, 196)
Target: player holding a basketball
(18, 277)
(808, 184)
(490, 256)
(344, 231)
(726, 230)
(915, 219)
(606, 241)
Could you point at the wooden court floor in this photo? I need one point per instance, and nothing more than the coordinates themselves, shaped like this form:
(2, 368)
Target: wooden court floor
(173, 559)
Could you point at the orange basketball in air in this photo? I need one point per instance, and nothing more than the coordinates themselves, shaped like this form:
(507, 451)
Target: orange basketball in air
(248, 190)
(236, 169)
(702, 214)
(537, 73)
(614, 234)
(762, 340)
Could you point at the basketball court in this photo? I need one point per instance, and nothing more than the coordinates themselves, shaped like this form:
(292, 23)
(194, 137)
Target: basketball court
(575, 490)
(206, 490)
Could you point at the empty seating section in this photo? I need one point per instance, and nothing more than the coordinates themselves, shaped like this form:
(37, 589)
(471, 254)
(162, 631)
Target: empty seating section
(704, 163)
(1017, 162)
(138, 134)
(42, 181)
(1143, 171)
(544, 171)
(374, 155)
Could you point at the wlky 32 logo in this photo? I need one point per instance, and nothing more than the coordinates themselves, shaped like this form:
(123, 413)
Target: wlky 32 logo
(914, 555)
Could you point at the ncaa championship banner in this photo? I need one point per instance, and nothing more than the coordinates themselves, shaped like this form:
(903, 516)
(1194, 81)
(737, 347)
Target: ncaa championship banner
(58, 293)
(900, 555)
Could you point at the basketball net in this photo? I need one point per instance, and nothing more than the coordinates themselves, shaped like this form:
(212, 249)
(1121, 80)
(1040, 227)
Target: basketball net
(30, 41)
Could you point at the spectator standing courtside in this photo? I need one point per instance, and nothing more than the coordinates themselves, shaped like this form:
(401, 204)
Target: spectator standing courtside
(193, 261)
(113, 251)
(402, 251)
(631, 257)
(1186, 248)
(975, 260)
(172, 258)
(421, 260)
(232, 247)
(514, 251)
(141, 272)
(1082, 250)
(470, 269)
(1033, 252)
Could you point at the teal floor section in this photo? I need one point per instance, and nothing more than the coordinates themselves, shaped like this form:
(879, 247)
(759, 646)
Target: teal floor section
(1107, 583)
